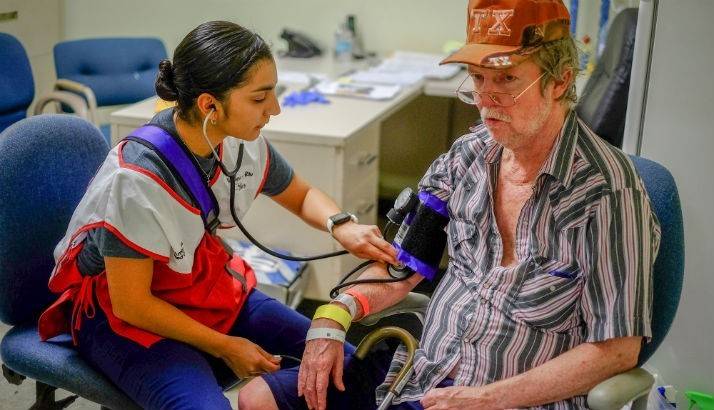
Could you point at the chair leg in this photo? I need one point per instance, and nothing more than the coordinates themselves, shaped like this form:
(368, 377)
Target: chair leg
(45, 398)
(640, 403)
(12, 376)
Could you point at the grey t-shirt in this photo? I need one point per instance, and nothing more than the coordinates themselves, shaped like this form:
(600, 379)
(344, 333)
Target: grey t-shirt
(100, 242)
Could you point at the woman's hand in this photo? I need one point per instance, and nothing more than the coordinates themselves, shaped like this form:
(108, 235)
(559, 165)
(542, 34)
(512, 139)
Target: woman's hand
(365, 241)
(246, 358)
(321, 359)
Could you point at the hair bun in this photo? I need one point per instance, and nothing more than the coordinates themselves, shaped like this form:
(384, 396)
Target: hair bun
(165, 86)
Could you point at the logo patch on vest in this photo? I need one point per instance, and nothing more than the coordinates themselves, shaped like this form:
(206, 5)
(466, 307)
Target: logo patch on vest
(180, 254)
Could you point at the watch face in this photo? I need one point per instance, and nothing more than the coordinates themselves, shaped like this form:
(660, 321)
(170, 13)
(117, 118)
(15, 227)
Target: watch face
(342, 217)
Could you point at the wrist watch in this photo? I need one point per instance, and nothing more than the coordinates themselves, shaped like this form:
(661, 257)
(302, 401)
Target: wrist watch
(338, 219)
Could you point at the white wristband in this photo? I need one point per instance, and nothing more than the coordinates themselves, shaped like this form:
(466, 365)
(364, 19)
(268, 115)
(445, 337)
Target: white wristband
(325, 333)
(349, 301)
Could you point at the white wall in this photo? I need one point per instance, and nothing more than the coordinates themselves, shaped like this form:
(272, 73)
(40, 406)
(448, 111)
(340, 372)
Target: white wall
(677, 132)
(385, 25)
(420, 25)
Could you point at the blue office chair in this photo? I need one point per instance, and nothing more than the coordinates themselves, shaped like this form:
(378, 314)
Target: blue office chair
(108, 71)
(17, 87)
(48, 161)
(635, 384)
(667, 276)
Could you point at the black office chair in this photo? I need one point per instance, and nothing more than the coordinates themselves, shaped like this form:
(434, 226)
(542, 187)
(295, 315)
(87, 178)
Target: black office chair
(603, 102)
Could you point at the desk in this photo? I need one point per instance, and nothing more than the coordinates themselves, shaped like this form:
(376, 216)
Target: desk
(335, 147)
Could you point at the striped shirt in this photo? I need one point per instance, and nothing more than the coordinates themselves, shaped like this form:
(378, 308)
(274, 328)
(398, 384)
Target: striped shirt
(586, 241)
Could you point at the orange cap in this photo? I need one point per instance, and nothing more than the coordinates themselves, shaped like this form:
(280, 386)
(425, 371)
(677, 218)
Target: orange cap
(497, 31)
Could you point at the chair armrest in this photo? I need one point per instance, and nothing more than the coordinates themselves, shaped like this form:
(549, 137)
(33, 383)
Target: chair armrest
(415, 303)
(621, 389)
(81, 89)
(75, 102)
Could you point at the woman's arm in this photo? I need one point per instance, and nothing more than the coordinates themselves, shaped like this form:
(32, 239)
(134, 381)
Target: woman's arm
(129, 282)
(314, 207)
(307, 202)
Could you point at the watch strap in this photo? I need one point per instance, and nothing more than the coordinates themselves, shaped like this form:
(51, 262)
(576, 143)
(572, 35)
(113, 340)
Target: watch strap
(330, 224)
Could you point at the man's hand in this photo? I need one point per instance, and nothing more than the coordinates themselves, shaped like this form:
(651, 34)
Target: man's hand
(365, 241)
(458, 398)
(322, 358)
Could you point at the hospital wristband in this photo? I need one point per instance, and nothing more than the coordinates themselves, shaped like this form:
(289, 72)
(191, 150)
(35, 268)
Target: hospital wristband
(325, 333)
(334, 312)
(361, 299)
(349, 301)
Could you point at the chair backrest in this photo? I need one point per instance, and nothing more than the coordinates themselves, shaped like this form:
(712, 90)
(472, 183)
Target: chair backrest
(668, 269)
(118, 70)
(17, 88)
(47, 163)
(603, 102)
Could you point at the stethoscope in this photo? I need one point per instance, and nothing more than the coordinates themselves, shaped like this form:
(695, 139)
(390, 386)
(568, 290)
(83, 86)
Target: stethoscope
(343, 281)
(232, 182)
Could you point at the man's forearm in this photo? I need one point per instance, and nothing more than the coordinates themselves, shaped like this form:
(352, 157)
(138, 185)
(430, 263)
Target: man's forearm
(380, 296)
(573, 373)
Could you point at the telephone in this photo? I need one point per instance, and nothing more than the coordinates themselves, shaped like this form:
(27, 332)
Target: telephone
(299, 45)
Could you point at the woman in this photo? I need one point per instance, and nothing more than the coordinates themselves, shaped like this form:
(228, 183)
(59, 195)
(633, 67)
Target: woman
(145, 281)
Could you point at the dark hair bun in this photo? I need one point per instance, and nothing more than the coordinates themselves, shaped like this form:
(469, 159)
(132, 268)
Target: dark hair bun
(165, 86)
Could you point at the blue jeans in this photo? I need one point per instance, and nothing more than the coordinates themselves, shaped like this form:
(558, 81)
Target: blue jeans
(173, 375)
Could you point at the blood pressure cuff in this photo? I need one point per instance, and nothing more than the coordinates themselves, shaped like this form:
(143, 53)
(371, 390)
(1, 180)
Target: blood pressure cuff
(425, 239)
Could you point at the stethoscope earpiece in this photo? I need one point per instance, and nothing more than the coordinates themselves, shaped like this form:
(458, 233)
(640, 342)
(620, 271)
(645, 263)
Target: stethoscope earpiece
(239, 160)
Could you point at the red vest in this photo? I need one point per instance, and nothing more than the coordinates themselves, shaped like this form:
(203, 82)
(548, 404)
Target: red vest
(209, 294)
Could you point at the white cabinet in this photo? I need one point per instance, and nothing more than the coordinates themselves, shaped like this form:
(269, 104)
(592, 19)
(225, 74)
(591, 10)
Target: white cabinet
(347, 173)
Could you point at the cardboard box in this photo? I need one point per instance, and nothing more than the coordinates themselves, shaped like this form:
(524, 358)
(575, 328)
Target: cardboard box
(281, 279)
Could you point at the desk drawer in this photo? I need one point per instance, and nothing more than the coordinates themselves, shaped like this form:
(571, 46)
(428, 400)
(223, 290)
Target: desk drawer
(361, 156)
(361, 199)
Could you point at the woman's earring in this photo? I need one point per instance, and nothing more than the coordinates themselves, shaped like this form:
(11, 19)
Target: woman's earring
(213, 121)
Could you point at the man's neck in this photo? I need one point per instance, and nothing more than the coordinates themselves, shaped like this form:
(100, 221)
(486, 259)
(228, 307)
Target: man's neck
(521, 165)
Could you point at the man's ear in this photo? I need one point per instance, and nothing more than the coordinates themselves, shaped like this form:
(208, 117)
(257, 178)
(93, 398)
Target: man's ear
(563, 84)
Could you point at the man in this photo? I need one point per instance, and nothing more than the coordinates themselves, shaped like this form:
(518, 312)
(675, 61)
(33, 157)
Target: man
(551, 241)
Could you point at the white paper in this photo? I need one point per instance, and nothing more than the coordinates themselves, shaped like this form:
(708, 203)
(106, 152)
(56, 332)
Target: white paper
(357, 90)
(299, 77)
(407, 68)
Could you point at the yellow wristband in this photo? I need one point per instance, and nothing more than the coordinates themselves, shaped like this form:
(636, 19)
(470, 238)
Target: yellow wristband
(336, 313)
